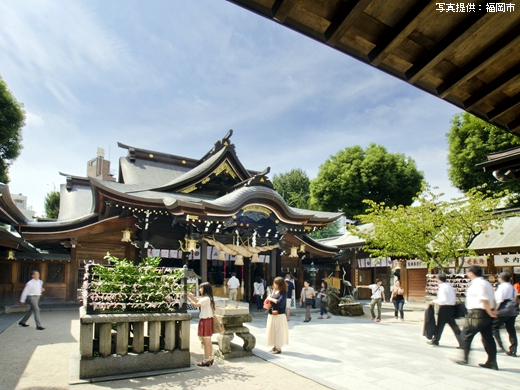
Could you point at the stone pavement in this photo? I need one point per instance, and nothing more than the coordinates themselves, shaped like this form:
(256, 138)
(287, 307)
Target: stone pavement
(338, 353)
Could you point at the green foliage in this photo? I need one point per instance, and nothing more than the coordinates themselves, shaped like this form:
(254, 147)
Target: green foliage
(470, 140)
(293, 186)
(329, 231)
(124, 286)
(346, 179)
(12, 117)
(52, 204)
(432, 230)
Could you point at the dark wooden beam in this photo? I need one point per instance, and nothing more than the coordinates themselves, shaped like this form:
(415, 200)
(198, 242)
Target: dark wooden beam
(501, 109)
(344, 18)
(281, 9)
(454, 38)
(482, 60)
(400, 31)
(493, 86)
(514, 126)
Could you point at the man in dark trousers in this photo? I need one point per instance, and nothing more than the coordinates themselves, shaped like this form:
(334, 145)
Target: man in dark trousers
(446, 300)
(480, 302)
(505, 293)
(290, 295)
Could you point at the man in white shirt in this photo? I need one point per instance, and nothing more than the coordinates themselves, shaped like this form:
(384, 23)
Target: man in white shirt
(446, 300)
(377, 298)
(480, 302)
(233, 285)
(505, 293)
(32, 293)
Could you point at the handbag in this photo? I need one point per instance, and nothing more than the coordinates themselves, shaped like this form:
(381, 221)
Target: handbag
(308, 301)
(460, 310)
(510, 309)
(268, 305)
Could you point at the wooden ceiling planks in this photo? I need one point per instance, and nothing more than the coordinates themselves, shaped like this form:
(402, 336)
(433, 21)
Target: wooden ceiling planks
(470, 59)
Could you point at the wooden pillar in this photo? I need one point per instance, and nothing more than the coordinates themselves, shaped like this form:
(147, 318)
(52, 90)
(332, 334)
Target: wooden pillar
(204, 261)
(272, 264)
(15, 275)
(247, 280)
(72, 279)
(404, 279)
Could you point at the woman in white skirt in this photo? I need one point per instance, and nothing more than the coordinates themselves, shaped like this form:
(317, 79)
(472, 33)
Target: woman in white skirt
(277, 328)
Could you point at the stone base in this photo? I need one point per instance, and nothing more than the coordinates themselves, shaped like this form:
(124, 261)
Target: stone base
(133, 363)
(236, 352)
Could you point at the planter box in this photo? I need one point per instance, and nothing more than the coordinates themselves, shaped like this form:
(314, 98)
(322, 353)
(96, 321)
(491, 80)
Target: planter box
(157, 341)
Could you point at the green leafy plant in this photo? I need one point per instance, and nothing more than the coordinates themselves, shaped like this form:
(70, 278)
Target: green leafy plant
(123, 286)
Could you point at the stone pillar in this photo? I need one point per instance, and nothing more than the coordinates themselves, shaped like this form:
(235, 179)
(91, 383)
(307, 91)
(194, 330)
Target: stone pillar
(154, 336)
(122, 338)
(86, 335)
(169, 335)
(105, 339)
(184, 335)
(204, 261)
(138, 341)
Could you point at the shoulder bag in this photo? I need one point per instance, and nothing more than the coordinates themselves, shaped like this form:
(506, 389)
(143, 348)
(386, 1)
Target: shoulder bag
(508, 308)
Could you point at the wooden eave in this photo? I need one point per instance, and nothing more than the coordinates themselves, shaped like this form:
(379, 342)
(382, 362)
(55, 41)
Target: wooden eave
(503, 160)
(9, 212)
(311, 246)
(470, 59)
(37, 234)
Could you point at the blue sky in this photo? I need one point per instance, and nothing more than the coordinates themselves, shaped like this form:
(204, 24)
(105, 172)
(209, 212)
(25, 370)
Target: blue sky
(174, 76)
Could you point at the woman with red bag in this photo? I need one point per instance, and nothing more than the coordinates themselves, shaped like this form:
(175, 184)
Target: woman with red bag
(277, 328)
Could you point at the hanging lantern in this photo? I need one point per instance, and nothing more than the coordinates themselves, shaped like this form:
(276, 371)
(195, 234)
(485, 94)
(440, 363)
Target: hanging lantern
(239, 260)
(126, 235)
(10, 255)
(221, 256)
(192, 245)
(302, 248)
(255, 258)
(294, 252)
(189, 245)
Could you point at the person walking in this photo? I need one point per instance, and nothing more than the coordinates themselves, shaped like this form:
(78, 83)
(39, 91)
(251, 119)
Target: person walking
(397, 298)
(446, 300)
(307, 299)
(290, 294)
(480, 302)
(259, 291)
(277, 329)
(377, 298)
(207, 311)
(504, 294)
(322, 296)
(32, 293)
(233, 285)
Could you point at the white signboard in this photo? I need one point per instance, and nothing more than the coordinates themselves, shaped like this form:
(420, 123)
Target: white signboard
(373, 263)
(516, 270)
(475, 260)
(507, 260)
(415, 264)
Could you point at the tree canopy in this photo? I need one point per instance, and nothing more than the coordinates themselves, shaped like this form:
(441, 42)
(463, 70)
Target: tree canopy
(470, 140)
(346, 179)
(432, 230)
(293, 186)
(330, 231)
(12, 117)
(52, 204)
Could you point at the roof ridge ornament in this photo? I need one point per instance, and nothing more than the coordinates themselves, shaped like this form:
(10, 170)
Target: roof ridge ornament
(219, 145)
